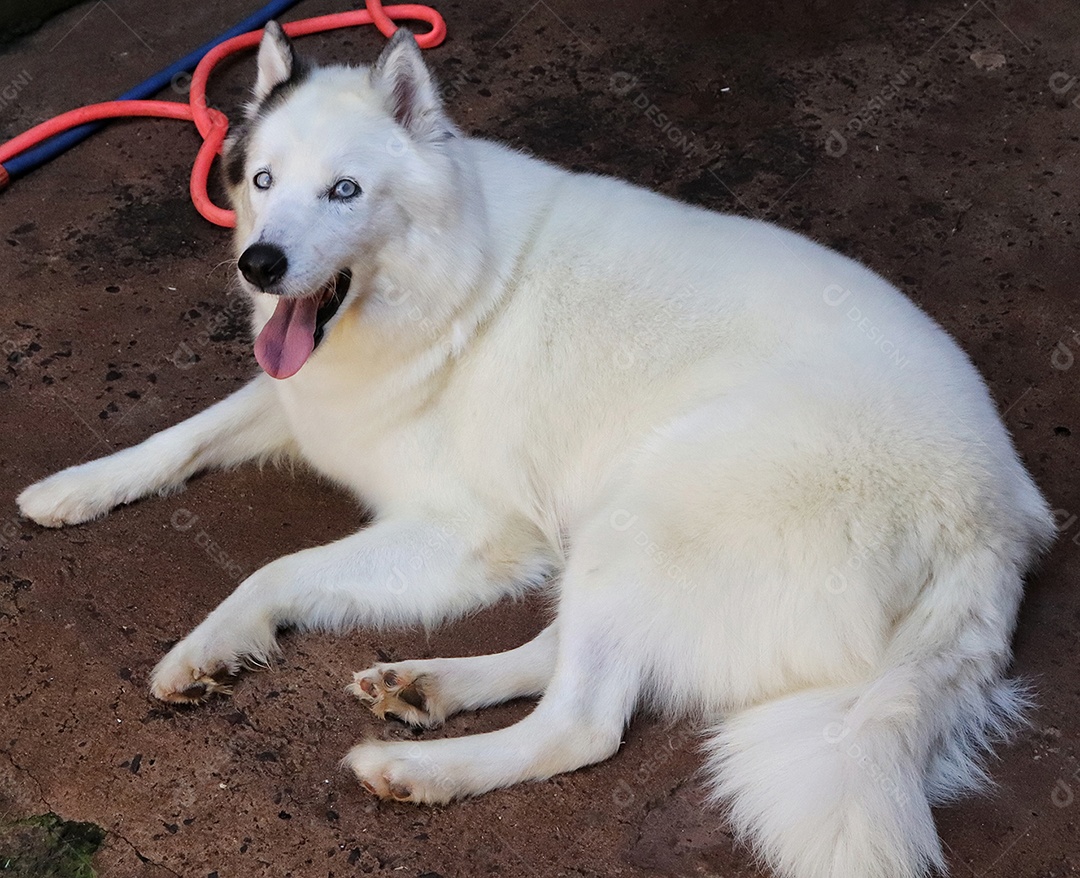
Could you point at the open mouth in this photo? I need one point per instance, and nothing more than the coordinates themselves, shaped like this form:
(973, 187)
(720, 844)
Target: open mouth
(297, 325)
(331, 301)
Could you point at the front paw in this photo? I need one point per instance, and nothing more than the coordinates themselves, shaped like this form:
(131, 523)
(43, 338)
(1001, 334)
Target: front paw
(75, 495)
(208, 660)
(178, 679)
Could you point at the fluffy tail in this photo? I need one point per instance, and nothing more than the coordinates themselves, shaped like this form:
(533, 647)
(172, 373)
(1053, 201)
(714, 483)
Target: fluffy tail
(838, 782)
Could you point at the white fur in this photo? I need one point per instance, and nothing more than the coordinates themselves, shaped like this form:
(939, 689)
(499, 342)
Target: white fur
(772, 492)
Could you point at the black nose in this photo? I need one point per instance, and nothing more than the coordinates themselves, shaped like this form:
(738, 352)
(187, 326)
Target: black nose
(263, 265)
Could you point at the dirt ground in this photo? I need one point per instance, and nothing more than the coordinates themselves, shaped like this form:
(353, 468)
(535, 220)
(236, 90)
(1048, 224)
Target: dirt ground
(937, 142)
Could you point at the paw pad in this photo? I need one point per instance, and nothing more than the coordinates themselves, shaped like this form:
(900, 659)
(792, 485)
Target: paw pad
(394, 693)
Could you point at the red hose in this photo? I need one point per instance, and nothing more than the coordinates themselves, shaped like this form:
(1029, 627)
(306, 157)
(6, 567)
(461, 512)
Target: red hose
(212, 124)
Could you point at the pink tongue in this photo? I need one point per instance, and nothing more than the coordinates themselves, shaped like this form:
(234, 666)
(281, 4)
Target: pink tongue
(288, 338)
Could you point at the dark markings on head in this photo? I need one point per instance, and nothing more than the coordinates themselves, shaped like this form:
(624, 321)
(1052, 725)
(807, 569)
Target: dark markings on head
(236, 147)
(299, 71)
(234, 158)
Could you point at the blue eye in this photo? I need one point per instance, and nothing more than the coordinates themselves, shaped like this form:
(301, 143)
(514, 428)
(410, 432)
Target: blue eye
(262, 180)
(344, 189)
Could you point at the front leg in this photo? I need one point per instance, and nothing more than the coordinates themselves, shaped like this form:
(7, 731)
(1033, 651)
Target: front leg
(395, 572)
(249, 424)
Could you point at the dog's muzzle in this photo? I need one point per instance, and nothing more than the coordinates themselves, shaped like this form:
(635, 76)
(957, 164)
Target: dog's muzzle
(263, 265)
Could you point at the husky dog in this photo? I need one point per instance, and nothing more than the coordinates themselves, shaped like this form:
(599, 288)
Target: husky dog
(769, 493)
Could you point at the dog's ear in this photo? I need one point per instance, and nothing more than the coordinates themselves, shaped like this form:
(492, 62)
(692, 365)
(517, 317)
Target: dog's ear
(408, 88)
(277, 62)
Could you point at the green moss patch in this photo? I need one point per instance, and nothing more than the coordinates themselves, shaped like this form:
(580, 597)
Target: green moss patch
(47, 846)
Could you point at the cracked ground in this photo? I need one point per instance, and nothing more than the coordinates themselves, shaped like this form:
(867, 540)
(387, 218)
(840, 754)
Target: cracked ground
(936, 142)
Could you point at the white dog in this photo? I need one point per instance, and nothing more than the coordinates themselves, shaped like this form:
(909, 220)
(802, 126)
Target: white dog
(770, 493)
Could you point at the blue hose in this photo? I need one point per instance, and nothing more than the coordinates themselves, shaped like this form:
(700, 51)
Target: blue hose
(52, 147)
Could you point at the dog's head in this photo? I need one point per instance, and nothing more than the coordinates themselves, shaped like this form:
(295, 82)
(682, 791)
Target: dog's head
(329, 164)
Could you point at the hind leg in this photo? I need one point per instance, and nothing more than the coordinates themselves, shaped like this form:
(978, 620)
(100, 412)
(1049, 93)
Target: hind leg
(424, 693)
(579, 720)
